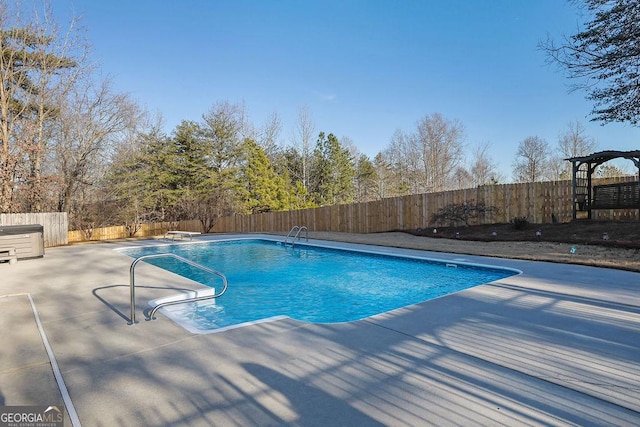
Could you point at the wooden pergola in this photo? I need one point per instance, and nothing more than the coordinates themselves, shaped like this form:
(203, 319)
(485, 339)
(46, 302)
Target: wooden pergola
(586, 197)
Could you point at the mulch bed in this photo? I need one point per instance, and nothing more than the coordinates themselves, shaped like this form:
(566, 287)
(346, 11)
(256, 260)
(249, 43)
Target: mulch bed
(619, 234)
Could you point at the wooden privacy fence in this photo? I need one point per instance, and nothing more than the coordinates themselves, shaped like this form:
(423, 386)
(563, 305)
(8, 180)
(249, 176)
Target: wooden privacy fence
(121, 232)
(55, 225)
(539, 202)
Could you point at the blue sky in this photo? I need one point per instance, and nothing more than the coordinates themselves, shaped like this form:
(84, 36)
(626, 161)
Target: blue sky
(364, 68)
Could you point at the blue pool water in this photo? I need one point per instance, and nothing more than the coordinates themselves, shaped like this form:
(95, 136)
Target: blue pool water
(308, 283)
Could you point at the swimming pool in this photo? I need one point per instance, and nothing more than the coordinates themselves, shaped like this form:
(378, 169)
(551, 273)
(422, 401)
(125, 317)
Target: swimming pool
(307, 282)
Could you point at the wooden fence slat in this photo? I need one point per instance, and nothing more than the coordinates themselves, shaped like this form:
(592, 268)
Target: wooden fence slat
(535, 201)
(54, 224)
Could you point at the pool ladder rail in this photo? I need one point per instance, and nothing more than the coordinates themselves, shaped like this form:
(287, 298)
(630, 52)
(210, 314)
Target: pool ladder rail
(297, 229)
(151, 316)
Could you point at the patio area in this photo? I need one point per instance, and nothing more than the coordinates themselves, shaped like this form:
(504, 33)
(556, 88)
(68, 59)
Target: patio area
(556, 345)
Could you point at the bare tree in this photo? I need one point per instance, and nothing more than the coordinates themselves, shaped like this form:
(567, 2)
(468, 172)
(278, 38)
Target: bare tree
(303, 140)
(384, 177)
(613, 171)
(602, 59)
(269, 135)
(575, 142)
(426, 160)
(572, 142)
(532, 159)
(403, 156)
(92, 121)
(558, 168)
(441, 147)
(461, 178)
(483, 170)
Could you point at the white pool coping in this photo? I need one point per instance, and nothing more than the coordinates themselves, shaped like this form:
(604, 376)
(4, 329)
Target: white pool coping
(179, 315)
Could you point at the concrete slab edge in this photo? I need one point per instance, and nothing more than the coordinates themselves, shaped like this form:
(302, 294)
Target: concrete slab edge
(71, 410)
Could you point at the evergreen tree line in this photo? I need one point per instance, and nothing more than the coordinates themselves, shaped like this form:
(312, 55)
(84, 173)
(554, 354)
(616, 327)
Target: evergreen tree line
(219, 166)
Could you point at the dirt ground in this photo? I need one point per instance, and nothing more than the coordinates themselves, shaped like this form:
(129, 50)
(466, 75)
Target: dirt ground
(599, 243)
(616, 234)
(579, 242)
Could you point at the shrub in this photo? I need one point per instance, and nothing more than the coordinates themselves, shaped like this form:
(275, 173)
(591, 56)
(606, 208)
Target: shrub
(464, 212)
(520, 222)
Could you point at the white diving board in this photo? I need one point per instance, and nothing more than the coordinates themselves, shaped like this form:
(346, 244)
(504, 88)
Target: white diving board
(181, 234)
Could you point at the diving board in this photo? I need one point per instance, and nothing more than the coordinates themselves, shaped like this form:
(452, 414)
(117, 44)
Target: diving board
(182, 234)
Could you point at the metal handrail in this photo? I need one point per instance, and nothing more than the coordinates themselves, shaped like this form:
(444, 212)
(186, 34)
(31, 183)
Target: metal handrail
(132, 285)
(294, 228)
(297, 235)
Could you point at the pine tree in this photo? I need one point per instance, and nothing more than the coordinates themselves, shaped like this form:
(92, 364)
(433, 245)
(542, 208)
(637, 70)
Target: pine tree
(218, 193)
(332, 172)
(366, 178)
(191, 151)
(148, 179)
(31, 64)
(264, 191)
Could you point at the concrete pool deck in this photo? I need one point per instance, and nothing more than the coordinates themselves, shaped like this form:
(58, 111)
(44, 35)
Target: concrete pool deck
(556, 345)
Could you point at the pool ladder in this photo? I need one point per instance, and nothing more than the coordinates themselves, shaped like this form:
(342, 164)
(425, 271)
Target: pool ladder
(296, 236)
(132, 285)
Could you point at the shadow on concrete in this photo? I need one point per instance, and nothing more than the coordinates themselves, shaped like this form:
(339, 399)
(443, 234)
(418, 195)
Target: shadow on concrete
(115, 309)
(312, 405)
